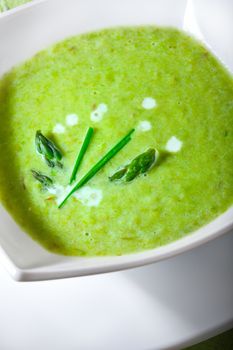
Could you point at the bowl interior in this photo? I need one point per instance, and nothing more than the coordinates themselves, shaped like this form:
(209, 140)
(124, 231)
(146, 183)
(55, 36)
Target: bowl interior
(25, 31)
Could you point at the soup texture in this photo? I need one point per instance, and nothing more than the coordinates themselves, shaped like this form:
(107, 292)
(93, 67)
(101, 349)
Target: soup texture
(160, 82)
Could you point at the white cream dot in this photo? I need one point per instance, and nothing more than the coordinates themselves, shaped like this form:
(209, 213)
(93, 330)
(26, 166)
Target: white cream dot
(144, 125)
(174, 145)
(59, 129)
(98, 113)
(102, 108)
(59, 191)
(88, 196)
(96, 116)
(149, 103)
(71, 119)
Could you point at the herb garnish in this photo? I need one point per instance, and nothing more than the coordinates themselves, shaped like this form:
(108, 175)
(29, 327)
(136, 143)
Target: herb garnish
(110, 154)
(139, 165)
(45, 181)
(51, 154)
(81, 154)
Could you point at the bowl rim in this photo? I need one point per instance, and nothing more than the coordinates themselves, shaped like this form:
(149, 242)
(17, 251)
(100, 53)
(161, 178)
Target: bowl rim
(182, 245)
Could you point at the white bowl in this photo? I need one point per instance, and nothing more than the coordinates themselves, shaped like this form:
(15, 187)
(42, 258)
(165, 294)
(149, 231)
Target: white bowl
(32, 27)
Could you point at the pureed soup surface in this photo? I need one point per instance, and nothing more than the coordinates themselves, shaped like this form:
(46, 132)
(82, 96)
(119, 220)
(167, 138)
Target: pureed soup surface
(159, 81)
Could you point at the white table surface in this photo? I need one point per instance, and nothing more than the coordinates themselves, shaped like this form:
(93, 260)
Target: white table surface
(161, 306)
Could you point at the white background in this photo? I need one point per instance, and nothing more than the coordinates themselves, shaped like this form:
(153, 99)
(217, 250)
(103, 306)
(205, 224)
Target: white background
(161, 306)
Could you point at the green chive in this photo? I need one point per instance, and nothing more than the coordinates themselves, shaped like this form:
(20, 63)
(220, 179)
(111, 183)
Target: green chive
(82, 151)
(110, 154)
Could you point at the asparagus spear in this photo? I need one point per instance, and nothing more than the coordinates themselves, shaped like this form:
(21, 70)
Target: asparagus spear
(45, 181)
(139, 165)
(118, 175)
(48, 150)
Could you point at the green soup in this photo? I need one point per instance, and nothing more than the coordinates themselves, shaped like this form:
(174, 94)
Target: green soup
(159, 81)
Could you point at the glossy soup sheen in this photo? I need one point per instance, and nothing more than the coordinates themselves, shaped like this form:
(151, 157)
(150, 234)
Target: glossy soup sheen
(192, 101)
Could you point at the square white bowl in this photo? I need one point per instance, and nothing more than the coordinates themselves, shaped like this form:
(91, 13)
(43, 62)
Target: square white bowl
(34, 26)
